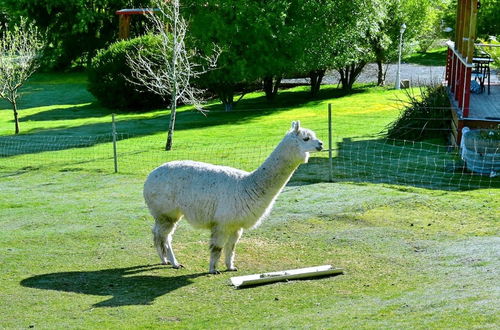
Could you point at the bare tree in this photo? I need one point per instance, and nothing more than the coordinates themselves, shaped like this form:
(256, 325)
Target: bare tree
(171, 71)
(20, 47)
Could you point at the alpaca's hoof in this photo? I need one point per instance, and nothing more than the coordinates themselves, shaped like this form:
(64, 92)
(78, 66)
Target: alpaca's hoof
(165, 262)
(232, 269)
(214, 272)
(178, 266)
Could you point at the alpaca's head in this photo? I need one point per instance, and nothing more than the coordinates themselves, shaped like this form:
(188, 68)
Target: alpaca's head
(303, 140)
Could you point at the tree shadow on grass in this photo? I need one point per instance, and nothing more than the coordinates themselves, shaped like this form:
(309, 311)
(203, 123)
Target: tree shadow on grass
(399, 163)
(288, 98)
(91, 110)
(41, 95)
(127, 286)
(285, 100)
(69, 137)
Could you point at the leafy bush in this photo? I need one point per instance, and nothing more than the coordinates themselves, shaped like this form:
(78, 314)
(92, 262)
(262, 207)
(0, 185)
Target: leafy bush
(425, 116)
(109, 69)
(493, 51)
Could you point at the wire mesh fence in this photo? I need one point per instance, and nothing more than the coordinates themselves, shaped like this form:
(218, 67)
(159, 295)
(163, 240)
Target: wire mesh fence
(407, 163)
(371, 158)
(41, 151)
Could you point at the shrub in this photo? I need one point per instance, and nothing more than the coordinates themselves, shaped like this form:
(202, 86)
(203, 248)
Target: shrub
(109, 69)
(493, 51)
(425, 116)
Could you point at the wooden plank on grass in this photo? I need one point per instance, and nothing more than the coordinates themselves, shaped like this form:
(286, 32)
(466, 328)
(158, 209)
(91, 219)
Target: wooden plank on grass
(292, 274)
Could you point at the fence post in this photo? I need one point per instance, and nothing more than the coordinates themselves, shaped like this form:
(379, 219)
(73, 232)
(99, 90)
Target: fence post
(115, 156)
(330, 159)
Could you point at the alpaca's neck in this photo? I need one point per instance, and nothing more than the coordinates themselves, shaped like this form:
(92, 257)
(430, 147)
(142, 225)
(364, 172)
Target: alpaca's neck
(266, 182)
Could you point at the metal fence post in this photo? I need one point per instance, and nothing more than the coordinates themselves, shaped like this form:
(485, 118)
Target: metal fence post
(115, 156)
(330, 159)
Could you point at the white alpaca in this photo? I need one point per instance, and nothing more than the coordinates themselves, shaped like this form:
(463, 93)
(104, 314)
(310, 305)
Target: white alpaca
(222, 199)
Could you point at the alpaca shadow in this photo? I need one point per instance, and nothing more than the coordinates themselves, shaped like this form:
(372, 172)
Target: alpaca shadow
(125, 285)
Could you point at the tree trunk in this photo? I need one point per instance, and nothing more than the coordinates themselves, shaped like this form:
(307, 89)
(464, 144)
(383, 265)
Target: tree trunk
(226, 96)
(171, 124)
(173, 106)
(380, 74)
(349, 74)
(316, 77)
(16, 118)
(271, 86)
(227, 99)
(379, 59)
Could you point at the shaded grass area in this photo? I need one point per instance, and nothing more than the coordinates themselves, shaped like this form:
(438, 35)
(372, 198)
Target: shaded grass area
(413, 258)
(434, 57)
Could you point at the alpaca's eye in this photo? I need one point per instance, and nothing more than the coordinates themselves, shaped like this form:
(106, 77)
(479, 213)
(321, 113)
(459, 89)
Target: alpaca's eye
(306, 138)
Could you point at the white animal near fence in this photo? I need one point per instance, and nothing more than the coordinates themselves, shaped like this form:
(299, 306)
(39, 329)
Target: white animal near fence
(222, 199)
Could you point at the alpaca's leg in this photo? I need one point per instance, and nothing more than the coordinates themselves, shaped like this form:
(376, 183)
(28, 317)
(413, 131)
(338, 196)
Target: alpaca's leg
(229, 249)
(216, 243)
(162, 233)
(160, 238)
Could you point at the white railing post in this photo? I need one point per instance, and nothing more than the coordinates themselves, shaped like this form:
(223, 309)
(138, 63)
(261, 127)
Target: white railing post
(115, 155)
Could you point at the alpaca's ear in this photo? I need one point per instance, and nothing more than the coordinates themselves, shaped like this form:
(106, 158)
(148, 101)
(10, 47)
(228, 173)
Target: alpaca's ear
(296, 126)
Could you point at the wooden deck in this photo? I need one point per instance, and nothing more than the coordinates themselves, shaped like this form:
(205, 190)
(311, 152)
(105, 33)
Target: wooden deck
(484, 106)
(484, 112)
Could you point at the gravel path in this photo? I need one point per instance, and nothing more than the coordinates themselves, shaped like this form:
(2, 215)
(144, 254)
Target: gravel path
(417, 74)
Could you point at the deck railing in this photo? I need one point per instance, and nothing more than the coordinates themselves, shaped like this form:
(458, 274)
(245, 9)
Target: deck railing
(458, 78)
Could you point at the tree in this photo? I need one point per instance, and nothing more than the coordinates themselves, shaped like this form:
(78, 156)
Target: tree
(20, 47)
(488, 18)
(430, 28)
(171, 71)
(267, 40)
(76, 29)
(422, 18)
(333, 35)
(384, 41)
(246, 30)
(277, 45)
(4, 17)
(352, 47)
(312, 28)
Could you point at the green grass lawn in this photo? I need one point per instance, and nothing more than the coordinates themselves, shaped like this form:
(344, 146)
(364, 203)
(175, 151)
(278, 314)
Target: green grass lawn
(58, 115)
(76, 247)
(433, 57)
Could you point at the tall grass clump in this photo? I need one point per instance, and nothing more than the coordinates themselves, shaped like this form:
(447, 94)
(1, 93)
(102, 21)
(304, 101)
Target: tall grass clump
(425, 115)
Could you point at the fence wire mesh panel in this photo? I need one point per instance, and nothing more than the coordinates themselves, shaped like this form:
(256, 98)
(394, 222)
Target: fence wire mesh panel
(407, 163)
(370, 158)
(142, 157)
(25, 152)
